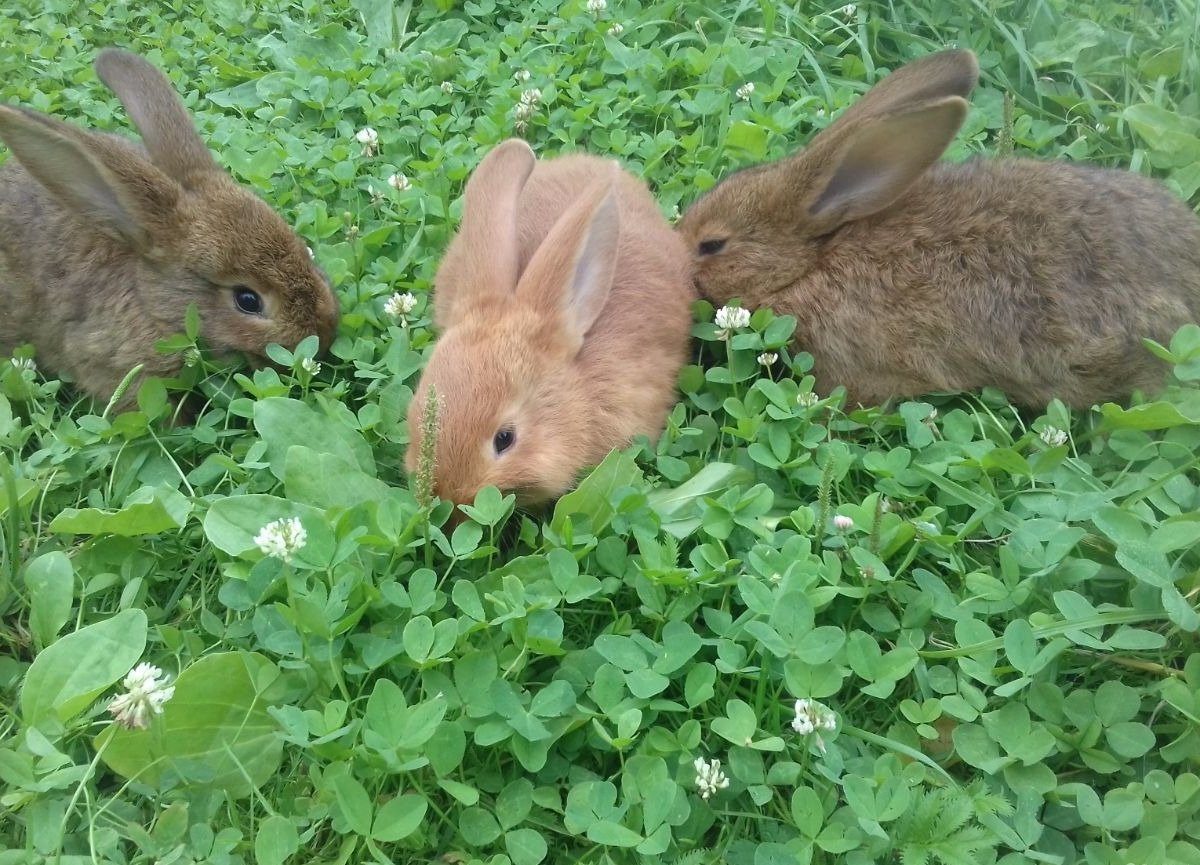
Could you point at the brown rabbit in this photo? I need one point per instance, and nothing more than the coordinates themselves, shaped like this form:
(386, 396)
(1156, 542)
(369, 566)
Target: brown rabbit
(906, 276)
(105, 243)
(564, 302)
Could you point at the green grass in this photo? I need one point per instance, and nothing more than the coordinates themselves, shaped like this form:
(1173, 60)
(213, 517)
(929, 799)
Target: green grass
(1002, 624)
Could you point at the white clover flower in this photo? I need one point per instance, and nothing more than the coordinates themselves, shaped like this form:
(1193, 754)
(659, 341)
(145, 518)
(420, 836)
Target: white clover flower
(745, 91)
(813, 717)
(616, 29)
(24, 364)
(820, 112)
(192, 357)
(369, 139)
(309, 365)
(709, 777)
(807, 400)
(849, 11)
(399, 182)
(447, 87)
(282, 538)
(376, 195)
(767, 358)
(400, 305)
(1053, 436)
(521, 75)
(146, 690)
(528, 103)
(843, 523)
(732, 318)
(597, 6)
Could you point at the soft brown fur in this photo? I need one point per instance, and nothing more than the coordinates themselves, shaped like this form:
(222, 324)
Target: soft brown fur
(575, 374)
(104, 243)
(906, 277)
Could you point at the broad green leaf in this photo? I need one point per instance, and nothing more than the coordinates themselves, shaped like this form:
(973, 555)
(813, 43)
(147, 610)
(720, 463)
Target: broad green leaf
(328, 481)
(612, 834)
(739, 725)
(214, 732)
(1149, 416)
(232, 523)
(67, 676)
(1145, 562)
(398, 818)
(591, 497)
(478, 827)
(50, 581)
(525, 846)
(147, 511)
(748, 137)
(283, 423)
(276, 842)
(1165, 130)
(379, 20)
(353, 801)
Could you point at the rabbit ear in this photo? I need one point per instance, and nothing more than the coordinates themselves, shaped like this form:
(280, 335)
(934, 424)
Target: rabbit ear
(868, 168)
(489, 223)
(485, 256)
(98, 179)
(871, 154)
(167, 129)
(572, 271)
(946, 73)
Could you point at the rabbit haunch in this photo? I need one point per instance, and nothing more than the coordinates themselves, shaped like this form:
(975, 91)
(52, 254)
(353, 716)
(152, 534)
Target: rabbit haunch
(909, 275)
(104, 243)
(564, 305)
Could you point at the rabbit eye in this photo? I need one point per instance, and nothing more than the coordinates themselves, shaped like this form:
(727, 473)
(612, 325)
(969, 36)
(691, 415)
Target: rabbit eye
(247, 300)
(504, 439)
(711, 247)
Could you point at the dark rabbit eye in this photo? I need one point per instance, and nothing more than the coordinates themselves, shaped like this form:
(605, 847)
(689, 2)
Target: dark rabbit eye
(711, 247)
(504, 439)
(247, 300)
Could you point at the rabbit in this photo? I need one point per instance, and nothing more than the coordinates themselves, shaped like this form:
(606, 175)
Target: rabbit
(104, 243)
(564, 310)
(908, 276)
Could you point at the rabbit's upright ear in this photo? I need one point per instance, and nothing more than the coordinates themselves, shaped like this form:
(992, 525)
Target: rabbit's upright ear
(167, 129)
(485, 256)
(869, 156)
(571, 274)
(872, 166)
(98, 179)
(945, 73)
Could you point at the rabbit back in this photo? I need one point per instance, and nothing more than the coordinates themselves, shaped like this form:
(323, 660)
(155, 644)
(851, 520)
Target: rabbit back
(1038, 278)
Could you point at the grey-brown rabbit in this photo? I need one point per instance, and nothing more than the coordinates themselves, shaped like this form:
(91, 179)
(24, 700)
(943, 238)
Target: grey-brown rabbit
(906, 276)
(104, 243)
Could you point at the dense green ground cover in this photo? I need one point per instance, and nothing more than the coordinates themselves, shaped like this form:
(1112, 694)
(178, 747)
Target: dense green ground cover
(997, 609)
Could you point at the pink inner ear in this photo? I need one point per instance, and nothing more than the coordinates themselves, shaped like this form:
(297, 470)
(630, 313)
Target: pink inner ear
(883, 157)
(595, 267)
